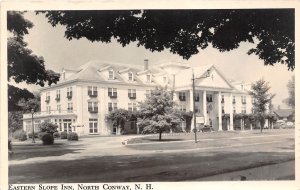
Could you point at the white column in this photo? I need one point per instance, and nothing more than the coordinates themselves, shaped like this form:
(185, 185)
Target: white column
(204, 107)
(230, 113)
(220, 111)
(191, 108)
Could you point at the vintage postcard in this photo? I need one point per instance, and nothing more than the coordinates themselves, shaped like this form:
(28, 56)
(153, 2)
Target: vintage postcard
(111, 95)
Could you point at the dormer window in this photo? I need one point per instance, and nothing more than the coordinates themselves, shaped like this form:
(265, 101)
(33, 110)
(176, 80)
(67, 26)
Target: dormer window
(130, 76)
(148, 78)
(111, 74)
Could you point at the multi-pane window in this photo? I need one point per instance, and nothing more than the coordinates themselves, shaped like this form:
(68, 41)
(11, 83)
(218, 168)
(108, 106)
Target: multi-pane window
(58, 108)
(69, 92)
(47, 97)
(112, 106)
(243, 99)
(130, 76)
(222, 100)
(252, 100)
(197, 97)
(132, 124)
(223, 111)
(92, 91)
(111, 74)
(148, 78)
(70, 107)
(93, 125)
(132, 93)
(243, 109)
(148, 93)
(209, 98)
(234, 110)
(197, 110)
(182, 96)
(112, 92)
(93, 107)
(60, 125)
(48, 108)
(233, 99)
(182, 108)
(57, 95)
(132, 106)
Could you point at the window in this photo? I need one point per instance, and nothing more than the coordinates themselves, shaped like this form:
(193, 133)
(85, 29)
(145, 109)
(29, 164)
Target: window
(165, 79)
(69, 92)
(92, 91)
(132, 124)
(132, 107)
(57, 95)
(58, 108)
(67, 125)
(112, 92)
(243, 109)
(233, 99)
(132, 93)
(60, 125)
(93, 107)
(112, 106)
(182, 108)
(36, 125)
(252, 110)
(70, 107)
(197, 97)
(243, 99)
(130, 76)
(148, 78)
(47, 97)
(48, 108)
(93, 125)
(222, 101)
(111, 74)
(209, 98)
(223, 111)
(197, 110)
(148, 93)
(182, 96)
(234, 110)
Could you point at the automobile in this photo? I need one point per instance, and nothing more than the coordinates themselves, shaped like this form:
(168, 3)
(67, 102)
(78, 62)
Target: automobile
(280, 122)
(207, 128)
(289, 123)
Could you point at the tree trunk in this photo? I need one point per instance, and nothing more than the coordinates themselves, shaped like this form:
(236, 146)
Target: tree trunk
(160, 136)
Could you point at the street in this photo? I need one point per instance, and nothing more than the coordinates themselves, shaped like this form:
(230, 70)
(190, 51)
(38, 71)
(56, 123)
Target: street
(105, 159)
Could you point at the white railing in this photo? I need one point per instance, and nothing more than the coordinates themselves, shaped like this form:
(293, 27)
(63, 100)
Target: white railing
(47, 113)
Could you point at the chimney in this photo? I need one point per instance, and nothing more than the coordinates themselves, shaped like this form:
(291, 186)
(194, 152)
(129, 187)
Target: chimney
(146, 65)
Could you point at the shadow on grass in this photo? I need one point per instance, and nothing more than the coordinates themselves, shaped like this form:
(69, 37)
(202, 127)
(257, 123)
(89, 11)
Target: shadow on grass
(25, 151)
(164, 140)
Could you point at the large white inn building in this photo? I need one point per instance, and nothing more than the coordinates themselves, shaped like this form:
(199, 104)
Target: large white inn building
(83, 97)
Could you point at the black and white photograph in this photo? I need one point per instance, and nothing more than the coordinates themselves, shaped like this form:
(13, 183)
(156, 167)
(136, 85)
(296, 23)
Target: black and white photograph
(127, 97)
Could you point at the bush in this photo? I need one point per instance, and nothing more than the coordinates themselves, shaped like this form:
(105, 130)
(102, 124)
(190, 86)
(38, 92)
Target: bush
(36, 135)
(17, 133)
(41, 134)
(48, 127)
(72, 136)
(63, 135)
(56, 135)
(22, 136)
(47, 139)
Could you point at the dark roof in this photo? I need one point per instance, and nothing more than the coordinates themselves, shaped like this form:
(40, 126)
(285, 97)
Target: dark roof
(284, 112)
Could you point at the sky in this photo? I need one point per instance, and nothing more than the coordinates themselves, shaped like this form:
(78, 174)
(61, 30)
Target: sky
(59, 53)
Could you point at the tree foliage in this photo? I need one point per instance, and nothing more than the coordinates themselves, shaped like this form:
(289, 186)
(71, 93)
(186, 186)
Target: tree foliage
(262, 97)
(14, 121)
(120, 116)
(29, 104)
(290, 101)
(48, 127)
(14, 95)
(157, 113)
(186, 32)
(23, 65)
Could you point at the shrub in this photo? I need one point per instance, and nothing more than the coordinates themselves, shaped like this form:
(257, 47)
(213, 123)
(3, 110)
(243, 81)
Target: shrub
(22, 136)
(17, 133)
(41, 134)
(63, 135)
(36, 135)
(56, 135)
(48, 127)
(47, 139)
(72, 136)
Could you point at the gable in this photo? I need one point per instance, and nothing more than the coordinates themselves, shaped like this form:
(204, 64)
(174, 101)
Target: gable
(215, 80)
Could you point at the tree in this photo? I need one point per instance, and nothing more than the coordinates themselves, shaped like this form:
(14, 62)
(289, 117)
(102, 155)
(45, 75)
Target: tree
(14, 95)
(290, 101)
(119, 117)
(23, 65)
(31, 103)
(157, 113)
(14, 121)
(186, 32)
(260, 93)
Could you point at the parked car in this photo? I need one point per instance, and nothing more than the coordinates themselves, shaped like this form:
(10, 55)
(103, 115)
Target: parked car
(207, 128)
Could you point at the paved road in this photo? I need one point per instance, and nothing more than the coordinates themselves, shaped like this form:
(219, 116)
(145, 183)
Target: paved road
(105, 159)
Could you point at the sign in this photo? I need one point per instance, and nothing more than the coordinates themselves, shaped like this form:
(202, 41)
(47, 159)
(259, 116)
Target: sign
(199, 119)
